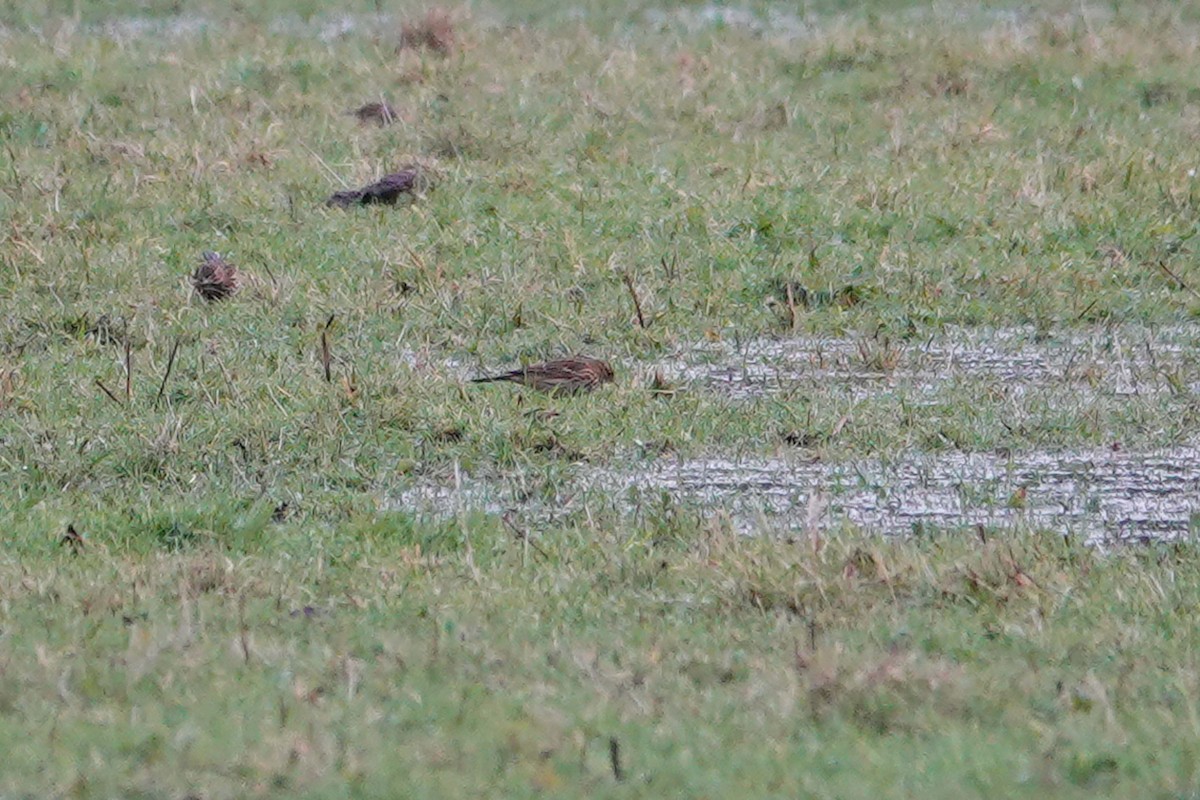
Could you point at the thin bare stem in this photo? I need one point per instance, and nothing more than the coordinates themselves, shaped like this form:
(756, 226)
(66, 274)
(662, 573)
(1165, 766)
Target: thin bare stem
(326, 355)
(111, 396)
(170, 363)
(128, 369)
(1177, 279)
(614, 758)
(637, 303)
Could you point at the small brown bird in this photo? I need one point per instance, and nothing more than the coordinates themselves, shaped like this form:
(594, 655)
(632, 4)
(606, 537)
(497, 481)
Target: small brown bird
(562, 376)
(434, 31)
(386, 190)
(215, 278)
(72, 539)
(378, 112)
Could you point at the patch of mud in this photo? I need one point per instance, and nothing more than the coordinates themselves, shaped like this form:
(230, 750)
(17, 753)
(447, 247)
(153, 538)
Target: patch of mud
(1113, 362)
(1102, 495)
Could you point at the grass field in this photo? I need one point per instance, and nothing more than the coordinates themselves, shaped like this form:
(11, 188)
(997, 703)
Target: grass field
(775, 221)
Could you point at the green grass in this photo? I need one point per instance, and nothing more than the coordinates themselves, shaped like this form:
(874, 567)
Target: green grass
(719, 664)
(914, 170)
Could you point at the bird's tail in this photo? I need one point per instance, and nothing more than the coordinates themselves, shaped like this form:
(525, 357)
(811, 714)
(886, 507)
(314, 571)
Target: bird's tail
(507, 376)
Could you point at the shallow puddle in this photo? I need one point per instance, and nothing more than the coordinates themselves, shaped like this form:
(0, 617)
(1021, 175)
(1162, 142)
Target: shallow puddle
(777, 22)
(1101, 494)
(1124, 361)
(1098, 494)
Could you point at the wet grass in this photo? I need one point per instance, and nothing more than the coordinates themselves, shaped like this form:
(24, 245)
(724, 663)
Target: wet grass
(665, 187)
